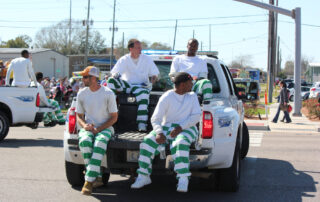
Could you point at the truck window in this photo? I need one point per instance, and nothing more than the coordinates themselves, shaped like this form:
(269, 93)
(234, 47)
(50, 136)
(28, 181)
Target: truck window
(164, 82)
(212, 76)
(227, 78)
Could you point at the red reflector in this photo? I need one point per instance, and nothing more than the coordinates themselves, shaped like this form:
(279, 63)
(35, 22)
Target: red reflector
(38, 100)
(168, 57)
(72, 120)
(313, 89)
(207, 125)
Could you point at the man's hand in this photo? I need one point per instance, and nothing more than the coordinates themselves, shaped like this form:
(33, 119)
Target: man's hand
(88, 127)
(176, 131)
(160, 138)
(95, 131)
(285, 103)
(154, 79)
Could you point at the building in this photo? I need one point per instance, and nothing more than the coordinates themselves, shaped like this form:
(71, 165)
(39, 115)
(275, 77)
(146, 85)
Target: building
(51, 63)
(313, 72)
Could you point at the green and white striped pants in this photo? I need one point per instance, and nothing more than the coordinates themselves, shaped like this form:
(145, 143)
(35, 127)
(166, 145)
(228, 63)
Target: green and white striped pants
(93, 148)
(57, 116)
(142, 96)
(179, 147)
(203, 87)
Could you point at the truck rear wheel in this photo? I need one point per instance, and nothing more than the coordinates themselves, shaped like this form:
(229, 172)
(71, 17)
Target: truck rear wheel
(4, 125)
(229, 178)
(74, 172)
(245, 141)
(105, 178)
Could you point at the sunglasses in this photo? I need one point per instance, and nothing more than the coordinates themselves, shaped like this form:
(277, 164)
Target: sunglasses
(85, 77)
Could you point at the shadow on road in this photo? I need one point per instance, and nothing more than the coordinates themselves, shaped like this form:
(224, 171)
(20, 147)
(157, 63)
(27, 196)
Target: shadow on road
(40, 142)
(261, 180)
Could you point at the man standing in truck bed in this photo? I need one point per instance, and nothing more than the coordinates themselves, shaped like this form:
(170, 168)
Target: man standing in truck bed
(135, 70)
(174, 121)
(196, 67)
(96, 113)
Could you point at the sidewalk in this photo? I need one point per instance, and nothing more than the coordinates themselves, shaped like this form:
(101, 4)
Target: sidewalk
(298, 124)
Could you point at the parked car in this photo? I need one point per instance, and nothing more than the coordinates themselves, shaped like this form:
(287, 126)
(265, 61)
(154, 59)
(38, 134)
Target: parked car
(315, 90)
(248, 89)
(304, 93)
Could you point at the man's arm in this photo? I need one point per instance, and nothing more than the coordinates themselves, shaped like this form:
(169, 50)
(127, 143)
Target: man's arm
(113, 118)
(83, 124)
(31, 73)
(8, 75)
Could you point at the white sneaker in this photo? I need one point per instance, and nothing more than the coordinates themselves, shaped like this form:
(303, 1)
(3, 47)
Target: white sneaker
(183, 184)
(142, 127)
(141, 181)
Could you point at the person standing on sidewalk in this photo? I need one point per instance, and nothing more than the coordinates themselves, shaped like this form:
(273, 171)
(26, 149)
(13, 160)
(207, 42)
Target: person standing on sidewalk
(283, 104)
(96, 113)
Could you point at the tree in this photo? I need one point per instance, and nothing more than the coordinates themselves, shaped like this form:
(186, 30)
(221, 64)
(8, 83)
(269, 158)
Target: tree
(22, 41)
(242, 61)
(282, 75)
(288, 67)
(56, 37)
(159, 46)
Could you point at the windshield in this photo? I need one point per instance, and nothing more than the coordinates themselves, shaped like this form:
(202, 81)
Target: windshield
(164, 82)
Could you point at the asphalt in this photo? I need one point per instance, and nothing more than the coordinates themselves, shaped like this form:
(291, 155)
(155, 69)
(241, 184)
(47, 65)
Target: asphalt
(299, 124)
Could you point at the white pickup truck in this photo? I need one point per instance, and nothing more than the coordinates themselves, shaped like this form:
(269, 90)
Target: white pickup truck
(18, 107)
(223, 140)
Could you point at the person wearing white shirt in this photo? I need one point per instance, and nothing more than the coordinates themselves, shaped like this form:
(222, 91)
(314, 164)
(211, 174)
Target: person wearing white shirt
(49, 119)
(174, 121)
(196, 67)
(22, 71)
(135, 69)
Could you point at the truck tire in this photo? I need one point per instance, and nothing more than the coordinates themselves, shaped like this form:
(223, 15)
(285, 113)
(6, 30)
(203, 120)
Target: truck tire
(245, 141)
(4, 125)
(74, 172)
(229, 178)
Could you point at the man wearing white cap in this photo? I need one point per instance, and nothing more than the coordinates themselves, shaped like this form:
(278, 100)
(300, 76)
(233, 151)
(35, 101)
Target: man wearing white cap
(135, 69)
(96, 113)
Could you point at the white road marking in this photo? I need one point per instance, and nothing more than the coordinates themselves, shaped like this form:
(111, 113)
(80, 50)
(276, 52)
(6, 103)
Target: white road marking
(255, 139)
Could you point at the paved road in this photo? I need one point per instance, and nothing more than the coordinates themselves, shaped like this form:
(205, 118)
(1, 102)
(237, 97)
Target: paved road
(279, 167)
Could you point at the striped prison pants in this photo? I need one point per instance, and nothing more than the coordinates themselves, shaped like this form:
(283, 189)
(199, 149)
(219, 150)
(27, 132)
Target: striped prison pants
(179, 147)
(93, 148)
(142, 96)
(203, 87)
(57, 116)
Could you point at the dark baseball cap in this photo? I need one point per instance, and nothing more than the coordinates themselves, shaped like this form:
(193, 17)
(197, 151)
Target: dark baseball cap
(181, 77)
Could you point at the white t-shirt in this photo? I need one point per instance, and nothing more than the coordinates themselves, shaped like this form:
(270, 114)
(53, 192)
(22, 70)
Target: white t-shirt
(42, 94)
(135, 73)
(97, 105)
(174, 108)
(192, 65)
(22, 72)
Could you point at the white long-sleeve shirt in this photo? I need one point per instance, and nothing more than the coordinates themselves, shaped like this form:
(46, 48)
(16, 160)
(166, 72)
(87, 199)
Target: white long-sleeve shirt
(22, 72)
(42, 94)
(135, 73)
(174, 108)
(195, 65)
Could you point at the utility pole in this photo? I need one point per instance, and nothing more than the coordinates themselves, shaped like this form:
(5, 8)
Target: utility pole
(87, 35)
(193, 34)
(296, 15)
(201, 46)
(209, 37)
(122, 43)
(112, 41)
(271, 53)
(175, 34)
(278, 65)
(69, 44)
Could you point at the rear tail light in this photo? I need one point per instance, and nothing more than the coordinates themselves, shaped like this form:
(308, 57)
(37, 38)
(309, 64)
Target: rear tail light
(313, 89)
(207, 125)
(72, 120)
(38, 100)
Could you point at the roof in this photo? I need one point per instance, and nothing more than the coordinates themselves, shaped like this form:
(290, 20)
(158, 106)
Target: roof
(314, 64)
(18, 50)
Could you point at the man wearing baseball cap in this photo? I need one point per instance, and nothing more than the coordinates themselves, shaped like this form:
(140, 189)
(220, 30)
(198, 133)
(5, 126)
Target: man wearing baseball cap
(96, 113)
(174, 122)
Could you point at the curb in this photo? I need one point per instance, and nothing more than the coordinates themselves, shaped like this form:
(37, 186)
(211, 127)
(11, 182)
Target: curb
(265, 128)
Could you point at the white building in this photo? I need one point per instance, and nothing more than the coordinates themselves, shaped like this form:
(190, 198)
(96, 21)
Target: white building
(47, 61)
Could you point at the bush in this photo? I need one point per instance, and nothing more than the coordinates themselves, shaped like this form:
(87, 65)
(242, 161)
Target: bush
(313, 107)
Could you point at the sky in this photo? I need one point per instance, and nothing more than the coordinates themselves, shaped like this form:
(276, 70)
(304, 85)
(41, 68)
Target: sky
(237, 29)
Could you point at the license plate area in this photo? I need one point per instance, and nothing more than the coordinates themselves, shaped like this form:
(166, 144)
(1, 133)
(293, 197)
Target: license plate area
(132, 156)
